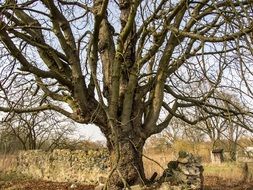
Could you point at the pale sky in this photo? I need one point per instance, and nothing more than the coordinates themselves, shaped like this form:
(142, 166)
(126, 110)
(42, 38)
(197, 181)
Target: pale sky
(90, 131)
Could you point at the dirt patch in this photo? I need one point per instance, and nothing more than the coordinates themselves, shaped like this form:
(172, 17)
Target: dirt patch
(211, 183)
(45, 185)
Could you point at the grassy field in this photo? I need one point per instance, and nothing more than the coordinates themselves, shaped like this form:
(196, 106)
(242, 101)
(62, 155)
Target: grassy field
(227, 170)
(234, 171)
(225, 176)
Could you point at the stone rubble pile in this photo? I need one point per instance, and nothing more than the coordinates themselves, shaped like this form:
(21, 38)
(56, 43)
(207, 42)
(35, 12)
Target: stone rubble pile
(186, 172)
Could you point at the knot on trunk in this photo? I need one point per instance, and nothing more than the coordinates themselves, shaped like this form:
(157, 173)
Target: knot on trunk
(124, 4)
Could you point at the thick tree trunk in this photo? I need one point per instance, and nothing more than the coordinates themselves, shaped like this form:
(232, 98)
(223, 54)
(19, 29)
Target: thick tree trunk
(127, 163)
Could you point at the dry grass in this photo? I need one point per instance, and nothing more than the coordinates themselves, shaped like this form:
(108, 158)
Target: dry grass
(156, 162)
(7, 170)
(229, 171)
(7, 162)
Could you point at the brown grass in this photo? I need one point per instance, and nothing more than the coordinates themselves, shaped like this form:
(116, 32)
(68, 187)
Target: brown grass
(156, 162)
(7, 162)
(229, 171)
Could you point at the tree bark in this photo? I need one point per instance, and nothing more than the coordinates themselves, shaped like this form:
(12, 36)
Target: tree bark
(126, 163)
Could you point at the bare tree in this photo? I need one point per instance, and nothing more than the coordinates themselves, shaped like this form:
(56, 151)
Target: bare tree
(128, 66)
(29, 131)
(234, 134)
(235, 128)
(214, 128)
(180, 130)
(225, 131)
(174, 131)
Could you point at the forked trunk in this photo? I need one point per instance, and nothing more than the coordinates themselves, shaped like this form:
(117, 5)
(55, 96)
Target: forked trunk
(127, 163)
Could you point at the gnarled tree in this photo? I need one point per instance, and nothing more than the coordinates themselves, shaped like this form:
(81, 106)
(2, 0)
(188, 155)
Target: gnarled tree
(128, 66)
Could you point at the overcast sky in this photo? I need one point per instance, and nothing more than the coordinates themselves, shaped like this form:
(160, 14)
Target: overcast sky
(90, 132)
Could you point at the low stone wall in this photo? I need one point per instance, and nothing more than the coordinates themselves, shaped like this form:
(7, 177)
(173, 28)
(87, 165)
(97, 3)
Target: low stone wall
(90, 166)
(63, 165)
